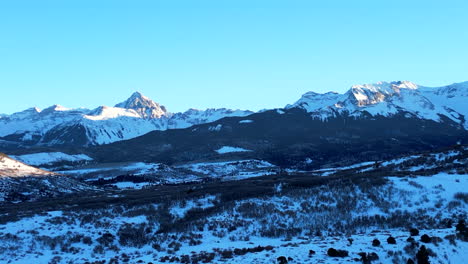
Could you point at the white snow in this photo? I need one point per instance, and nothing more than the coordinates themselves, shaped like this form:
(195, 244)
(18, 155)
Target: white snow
(104, 113)
(13, 168)
(411, 194)
(354, 166)
(246, 121)
(134, 117)
(179, 210)
(389, 98)
(435, 187)
(136, 168)
(130, 185)
(229, 149)
(215, 128)
(43, 158)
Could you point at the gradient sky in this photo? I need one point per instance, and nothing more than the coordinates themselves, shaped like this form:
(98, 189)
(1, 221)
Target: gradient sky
(236, 54)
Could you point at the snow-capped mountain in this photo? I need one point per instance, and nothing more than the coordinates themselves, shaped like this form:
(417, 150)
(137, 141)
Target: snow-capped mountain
(390, 98)
(135, 116)
(145, 107)
(30, 124)
(139, 115)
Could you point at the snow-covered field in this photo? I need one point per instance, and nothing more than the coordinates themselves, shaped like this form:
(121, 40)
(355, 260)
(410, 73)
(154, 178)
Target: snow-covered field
(82, 245)
(47, 158)
(256, 230)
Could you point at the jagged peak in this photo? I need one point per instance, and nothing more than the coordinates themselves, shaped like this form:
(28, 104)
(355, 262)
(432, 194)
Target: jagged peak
(137, 94)
(368, 94)
(144, 106)
(388, 87)
(135, 98)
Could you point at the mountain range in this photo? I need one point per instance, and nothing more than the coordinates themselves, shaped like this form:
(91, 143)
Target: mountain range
(57, 125)
(390, 98)
(139, 115)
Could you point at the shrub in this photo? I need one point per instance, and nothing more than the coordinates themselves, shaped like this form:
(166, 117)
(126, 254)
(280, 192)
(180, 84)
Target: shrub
(414, 232)
(366, 258)
(422, 256)
(426, 239)
(55, 260)
(282, 260)
(337, 253)
(462, 230)
(133, 235)
(391, 240)
(372, 256)
(376, 242)
(51, 242)
(87, 240)
(99, 249)
(226, 254)
(463, 196)
(106, 239)
(436, 240)
(461, 226)
(175, 246)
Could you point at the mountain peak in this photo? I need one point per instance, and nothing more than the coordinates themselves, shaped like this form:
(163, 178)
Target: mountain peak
(369, 94)
(137, 94)
(389, 87)
(144, 106)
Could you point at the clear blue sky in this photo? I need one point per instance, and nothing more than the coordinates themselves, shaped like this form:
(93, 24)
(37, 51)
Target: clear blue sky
(237, 54)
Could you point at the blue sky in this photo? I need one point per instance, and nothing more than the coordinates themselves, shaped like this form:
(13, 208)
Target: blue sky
(235, 54)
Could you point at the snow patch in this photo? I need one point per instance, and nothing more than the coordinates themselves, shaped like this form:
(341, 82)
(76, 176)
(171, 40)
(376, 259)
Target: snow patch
(215, 128)
(180, 210)
(44, 158)
(12, 168)
(229, 149)
(246, 121)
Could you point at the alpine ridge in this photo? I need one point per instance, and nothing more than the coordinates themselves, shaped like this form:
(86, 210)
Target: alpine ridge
(389, 99)
(138, 115)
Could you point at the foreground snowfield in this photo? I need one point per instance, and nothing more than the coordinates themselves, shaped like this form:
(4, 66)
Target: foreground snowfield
(296, 249)
(326, 217)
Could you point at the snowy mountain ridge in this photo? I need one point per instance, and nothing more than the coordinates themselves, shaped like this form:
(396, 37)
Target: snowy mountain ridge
(139, 115)
(136, 116)
(390, 98)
